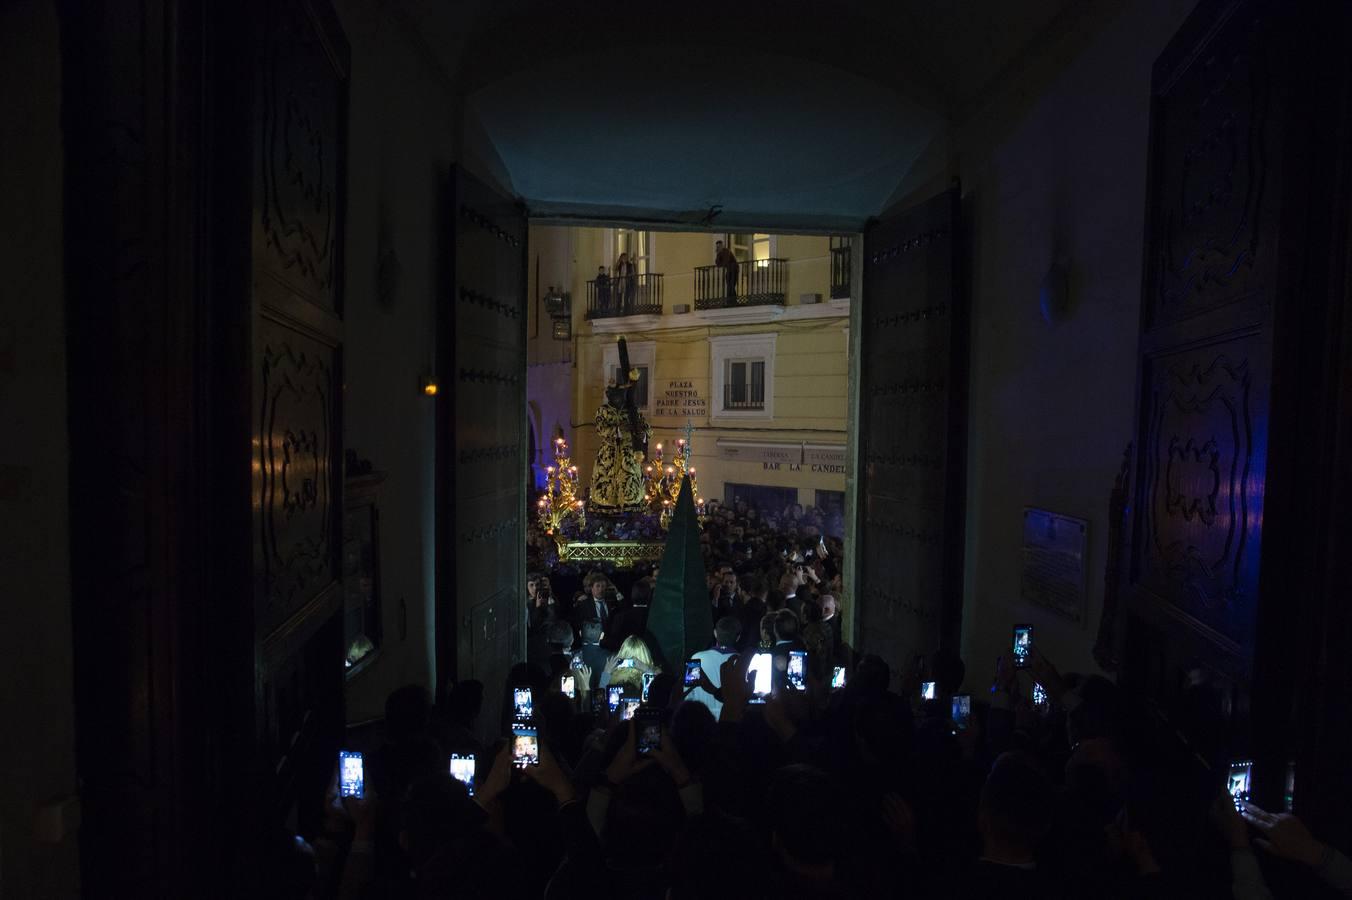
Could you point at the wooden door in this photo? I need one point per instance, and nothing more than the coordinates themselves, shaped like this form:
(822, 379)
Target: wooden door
(481, 442)
(205, 152)
(1230, 494)
(299, 181)
(912, 432)
(136, 582)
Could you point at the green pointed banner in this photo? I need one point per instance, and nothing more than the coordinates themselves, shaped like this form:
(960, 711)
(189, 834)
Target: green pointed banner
(678, 616)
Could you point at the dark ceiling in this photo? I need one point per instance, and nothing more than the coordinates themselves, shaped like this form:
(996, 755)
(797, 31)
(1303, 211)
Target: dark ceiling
(785, 114)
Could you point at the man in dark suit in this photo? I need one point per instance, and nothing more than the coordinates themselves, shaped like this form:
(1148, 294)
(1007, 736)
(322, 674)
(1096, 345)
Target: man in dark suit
(723, 595)
(751, 609)
(594, 605)
(631, 618)
(594, 656)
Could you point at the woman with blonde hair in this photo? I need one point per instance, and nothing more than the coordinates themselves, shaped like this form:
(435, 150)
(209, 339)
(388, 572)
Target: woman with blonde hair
(627, 666)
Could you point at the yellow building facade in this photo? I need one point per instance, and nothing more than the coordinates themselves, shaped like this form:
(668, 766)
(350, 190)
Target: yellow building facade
(757, 370)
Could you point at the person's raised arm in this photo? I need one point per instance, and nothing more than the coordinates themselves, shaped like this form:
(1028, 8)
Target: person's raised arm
(550, 776)
(359, 869)
(736, 689)
(1286, 836)
(1246, 879)
(623, 766)
(1045, 674)
(499, 777)
(668, 756)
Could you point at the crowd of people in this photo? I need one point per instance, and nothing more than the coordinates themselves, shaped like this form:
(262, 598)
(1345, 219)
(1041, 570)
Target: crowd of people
(623, 774)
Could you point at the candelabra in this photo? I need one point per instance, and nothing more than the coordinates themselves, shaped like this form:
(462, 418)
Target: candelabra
(664, 481)
(560, 499)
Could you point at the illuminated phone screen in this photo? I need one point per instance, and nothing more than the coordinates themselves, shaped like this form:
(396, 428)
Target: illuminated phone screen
(928, 690)
(628, 707)
(462, 770)
(649, 726)
(1240, 773)
(613, 695)
(762, 667)
(569, 687)
(797, 671)
(351, 774)
(523, 704)
(525, 746)
(1023, 645)
(647, 683)
(692, 672)
(962, 710)
(838, 678)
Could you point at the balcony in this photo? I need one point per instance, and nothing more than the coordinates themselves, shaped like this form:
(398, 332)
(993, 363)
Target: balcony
(762, 282)
(840, 273)
(625, 295)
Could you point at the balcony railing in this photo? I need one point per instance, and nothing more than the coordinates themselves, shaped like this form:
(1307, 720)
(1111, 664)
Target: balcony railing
(625, 295)
(744, 396)
(840, 272)
(762, 282)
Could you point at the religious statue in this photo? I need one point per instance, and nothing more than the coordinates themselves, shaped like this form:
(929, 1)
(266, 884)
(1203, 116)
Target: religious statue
(617, 476)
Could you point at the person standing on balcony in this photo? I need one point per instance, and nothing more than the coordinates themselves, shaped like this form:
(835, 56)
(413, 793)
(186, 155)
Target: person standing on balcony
(624, 287)
(602, 289)
(725, 260)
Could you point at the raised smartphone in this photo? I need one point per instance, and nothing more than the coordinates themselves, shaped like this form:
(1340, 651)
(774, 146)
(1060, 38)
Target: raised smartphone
(523, 703)
(1023, 646)
(796, 675)
(462, 770)
(351, 774)
(763, 669)
(525, 745)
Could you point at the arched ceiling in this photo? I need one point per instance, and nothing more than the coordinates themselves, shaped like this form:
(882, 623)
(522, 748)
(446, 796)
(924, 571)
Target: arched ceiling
(787, 114)
(759, 134)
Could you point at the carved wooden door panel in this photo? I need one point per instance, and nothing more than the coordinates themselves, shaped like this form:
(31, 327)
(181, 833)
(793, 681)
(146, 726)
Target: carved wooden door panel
(481, 416)
(299, 138)
(1212, 280)
(912, 431)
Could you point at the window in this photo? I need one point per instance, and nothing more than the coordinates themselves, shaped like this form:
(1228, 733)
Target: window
(757, 248)
(744, 385)
(642, 356)
(638, 244)
(742, 369)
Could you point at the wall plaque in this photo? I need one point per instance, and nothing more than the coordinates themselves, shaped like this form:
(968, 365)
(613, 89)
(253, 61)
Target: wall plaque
(681, 399)
(1054, 560)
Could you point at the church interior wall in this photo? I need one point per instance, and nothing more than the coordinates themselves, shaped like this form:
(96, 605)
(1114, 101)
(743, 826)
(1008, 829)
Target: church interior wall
(402, 144)
(1056, 172)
